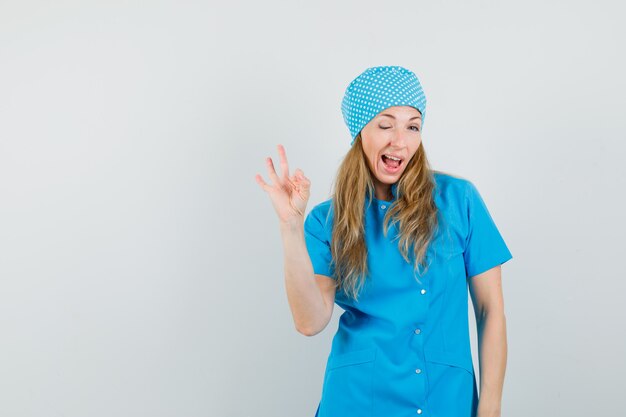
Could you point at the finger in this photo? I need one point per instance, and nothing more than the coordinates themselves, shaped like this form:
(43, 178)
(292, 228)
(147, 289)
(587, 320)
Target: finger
(293, 182)
(296, 180)
(301, 186)
(261, 182)
(284, 166)
(301, 176)
(272, 171)
(304, 186)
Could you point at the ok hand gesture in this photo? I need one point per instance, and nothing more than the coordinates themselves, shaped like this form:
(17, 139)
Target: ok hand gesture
(289, 195)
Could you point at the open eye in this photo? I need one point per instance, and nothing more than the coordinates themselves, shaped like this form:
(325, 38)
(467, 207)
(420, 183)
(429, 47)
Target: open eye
(417, 129)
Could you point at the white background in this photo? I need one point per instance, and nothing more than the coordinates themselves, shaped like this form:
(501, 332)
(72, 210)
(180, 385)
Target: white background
(141, 264)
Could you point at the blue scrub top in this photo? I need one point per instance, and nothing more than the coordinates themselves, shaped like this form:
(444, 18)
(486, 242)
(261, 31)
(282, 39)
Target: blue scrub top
(404, 348)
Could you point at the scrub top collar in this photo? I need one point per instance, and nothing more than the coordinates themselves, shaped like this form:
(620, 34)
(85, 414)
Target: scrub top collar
(394, 189)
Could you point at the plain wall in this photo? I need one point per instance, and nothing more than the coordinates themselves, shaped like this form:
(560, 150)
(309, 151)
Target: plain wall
(141, 264)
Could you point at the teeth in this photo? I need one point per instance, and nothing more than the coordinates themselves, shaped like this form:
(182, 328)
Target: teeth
(392, 157)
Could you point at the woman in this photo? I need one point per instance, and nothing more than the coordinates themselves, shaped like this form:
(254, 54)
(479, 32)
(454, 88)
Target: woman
(397, 247)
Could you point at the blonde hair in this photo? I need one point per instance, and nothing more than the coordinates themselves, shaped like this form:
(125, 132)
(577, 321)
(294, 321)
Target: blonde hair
(414, 211)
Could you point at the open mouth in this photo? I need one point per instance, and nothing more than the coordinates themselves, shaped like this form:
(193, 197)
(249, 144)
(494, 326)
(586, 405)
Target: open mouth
(390, 163)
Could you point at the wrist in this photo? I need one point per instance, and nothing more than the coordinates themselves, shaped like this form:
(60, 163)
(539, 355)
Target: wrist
(294, 224)
(488, 409)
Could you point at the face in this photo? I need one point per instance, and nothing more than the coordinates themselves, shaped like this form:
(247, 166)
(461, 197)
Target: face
(395, 131)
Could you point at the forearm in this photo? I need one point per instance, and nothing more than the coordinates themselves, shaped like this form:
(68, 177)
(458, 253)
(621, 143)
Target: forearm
(305, 298)
(492, 346)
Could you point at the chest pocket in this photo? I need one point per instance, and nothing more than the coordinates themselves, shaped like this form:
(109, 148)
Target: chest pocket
(348, 382)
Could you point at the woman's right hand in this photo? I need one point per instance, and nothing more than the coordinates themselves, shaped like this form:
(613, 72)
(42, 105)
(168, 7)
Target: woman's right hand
(289, 195)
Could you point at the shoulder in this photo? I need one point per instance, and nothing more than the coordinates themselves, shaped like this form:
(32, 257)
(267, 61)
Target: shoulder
(323, 209)
(452, 187)
(320, 215)
(453, 197)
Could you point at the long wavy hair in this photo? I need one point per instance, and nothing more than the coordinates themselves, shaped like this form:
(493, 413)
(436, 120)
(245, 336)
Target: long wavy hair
(414, 211)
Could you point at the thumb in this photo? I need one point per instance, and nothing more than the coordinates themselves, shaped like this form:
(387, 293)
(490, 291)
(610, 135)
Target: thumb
(301, 176)
(305, 184)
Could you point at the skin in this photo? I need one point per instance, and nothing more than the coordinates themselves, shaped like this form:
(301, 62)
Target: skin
(395, 130)
(486, 293)
(311, 296)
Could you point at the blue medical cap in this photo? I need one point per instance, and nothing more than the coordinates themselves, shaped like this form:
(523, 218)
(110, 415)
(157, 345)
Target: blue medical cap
(376, 89)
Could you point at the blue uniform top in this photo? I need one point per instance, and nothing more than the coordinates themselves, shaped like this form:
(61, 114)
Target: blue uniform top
(404, 348)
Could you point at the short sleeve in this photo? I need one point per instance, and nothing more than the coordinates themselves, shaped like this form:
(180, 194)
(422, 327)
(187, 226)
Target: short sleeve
(316, 237)
(484, 246)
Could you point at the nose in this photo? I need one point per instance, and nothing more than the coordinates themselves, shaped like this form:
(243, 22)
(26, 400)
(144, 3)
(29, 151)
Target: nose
(399, 137)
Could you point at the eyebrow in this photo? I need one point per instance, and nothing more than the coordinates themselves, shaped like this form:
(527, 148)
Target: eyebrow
(387, 114)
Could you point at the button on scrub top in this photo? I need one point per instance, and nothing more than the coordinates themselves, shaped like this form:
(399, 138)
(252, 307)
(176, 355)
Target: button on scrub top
(404, 348)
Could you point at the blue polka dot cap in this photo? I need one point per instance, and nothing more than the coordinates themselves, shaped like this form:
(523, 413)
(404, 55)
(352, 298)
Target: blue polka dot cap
(376, 89)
